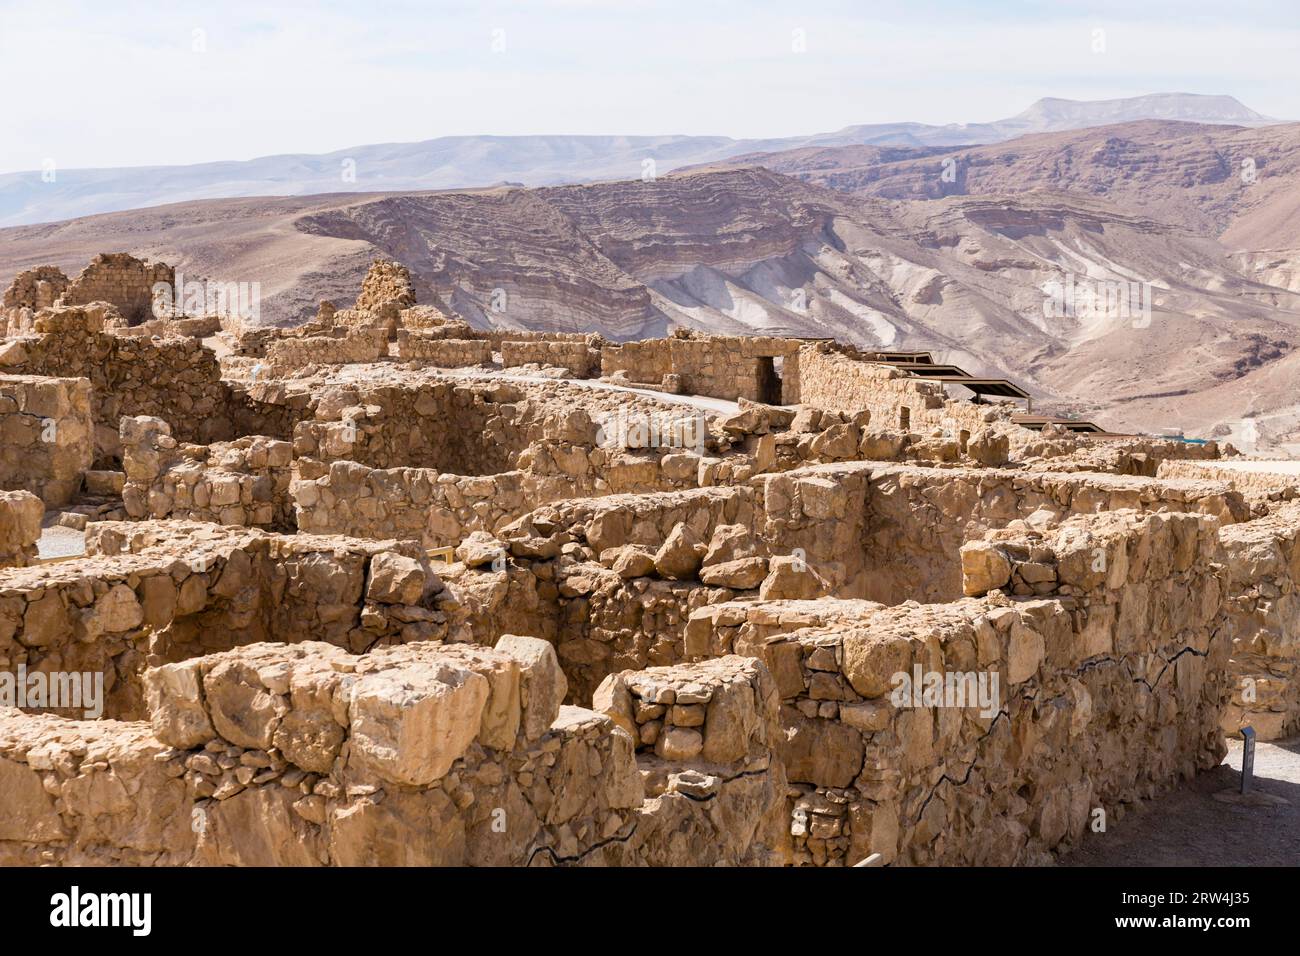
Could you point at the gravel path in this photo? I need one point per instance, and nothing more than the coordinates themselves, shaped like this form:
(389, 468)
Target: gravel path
(1193, 827)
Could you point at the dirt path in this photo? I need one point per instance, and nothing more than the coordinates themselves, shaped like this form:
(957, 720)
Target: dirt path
(1191, 827)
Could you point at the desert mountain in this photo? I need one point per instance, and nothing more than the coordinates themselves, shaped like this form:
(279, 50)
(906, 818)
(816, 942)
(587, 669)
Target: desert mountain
(753, 250)
(1225, 181)
(461, 161)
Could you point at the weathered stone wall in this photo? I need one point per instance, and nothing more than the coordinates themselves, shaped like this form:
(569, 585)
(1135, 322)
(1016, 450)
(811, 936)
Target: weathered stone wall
(386, 283)
(29, 292)
(1109, 690)
(122, 280)
(288, 354)
(20, 527)
(499, 337)
(155, 592)
(1262, 559)
(176, 379)
(1135, 455)
(427, 317)
(443, 352)
(464, 429)
(197, 327)
(580, 360)
(36, 289)
(918, 518)
(829, 378)
(244, 482)
(441, 509)
(1263, 489)
(45, 435)
(728, 367)
(303, 756)
(614, 580)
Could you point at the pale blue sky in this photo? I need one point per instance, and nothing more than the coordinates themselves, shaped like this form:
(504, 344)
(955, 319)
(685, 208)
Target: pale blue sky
(120, 82)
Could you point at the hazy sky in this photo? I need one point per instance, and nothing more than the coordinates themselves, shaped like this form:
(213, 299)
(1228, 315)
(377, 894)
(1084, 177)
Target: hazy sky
(122, 83)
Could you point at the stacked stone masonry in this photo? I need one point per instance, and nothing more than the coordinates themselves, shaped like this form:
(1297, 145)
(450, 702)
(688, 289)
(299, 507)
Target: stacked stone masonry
(367, 612)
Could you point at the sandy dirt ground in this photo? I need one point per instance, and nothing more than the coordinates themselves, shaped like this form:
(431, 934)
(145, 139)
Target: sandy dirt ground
(1205, 822)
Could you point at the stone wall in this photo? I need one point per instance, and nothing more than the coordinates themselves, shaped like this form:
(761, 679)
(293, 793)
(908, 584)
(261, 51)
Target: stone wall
(176, 379)
(577, 358)
(45, 435)
(1108, 690)
(122, 280)
(244, 482)
(168, 591)
(36, 289)
(198, 327)
(464, 429)
(1130, 455)
(614, 580)
(918, 518)
(306, 756)
(29, 292)
(20, 528)
(443, 352)
(499, 337)
(1262, 559)
(727, 367)
(386, 283)
(440, 510)
(288, 354)
(829, 378)
(1263, 489)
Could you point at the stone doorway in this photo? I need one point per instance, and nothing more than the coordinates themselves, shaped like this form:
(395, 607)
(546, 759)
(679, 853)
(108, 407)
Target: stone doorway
(769, 380)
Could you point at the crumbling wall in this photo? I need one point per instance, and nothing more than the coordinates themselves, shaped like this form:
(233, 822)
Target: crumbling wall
(20, 527)
(176, 379)
(122, 280)
(288, 354)
(305, 756)
(1262, 488)
(577, 358)
(439, 510)
(45, 435)
(919, 518)
(36, 289)
(155, 591)
(443, 352)
(1262, 559)
(244, 482)
(828, 378)
(386, 283)
(1105, 691)
(615, 580)
(30, 292)
(728, 367)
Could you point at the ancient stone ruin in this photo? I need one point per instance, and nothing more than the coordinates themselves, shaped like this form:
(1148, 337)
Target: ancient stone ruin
(393, 588)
